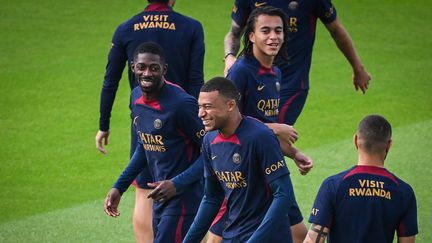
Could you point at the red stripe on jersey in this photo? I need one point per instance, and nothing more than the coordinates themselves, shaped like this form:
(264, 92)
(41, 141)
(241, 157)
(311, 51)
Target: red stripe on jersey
(401, 230)
(173, 84)
(222, 211)
(264, 70)
(157, 7)
(373, 170)
(285, 107)
(179, 235)
(154, 103)
(231, 139)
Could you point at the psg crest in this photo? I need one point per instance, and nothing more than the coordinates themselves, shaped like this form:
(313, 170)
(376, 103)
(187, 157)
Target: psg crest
(236, 158)
(293, 5)
(157, 123)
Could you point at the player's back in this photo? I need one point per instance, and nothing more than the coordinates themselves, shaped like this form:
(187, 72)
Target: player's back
(180, 36)
(370, 204)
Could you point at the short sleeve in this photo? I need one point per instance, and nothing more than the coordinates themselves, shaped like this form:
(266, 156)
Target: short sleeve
(322, 211)
(240, 12)
(270, 157)
(408, 223)
(325, 11)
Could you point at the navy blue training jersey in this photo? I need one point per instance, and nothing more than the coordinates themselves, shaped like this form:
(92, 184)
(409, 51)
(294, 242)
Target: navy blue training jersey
(245, 164)
(259, 88)
(181, 38)
(365, 204)
(302, 16)
(170, 133)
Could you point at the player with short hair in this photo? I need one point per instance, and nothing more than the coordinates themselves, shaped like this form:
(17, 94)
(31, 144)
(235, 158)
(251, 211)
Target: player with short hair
(244, 163)
(170, 136)
(182, 39)
(365, 203)
(302, 16)
(258, 80)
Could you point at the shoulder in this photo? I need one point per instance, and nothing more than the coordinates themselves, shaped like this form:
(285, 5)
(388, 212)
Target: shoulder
(257, 129)
(178, 95)
(193, 23)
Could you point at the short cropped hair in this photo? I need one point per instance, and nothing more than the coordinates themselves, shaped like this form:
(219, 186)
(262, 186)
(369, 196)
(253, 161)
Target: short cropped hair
(250, 27)
(375, 132)
(226, 88)
(150, 47)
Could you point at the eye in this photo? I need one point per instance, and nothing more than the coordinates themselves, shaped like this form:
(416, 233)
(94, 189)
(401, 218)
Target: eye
(155, 68)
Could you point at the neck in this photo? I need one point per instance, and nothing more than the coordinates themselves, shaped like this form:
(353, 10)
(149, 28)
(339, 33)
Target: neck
(371, 159)
(231, 125)
(263, 59)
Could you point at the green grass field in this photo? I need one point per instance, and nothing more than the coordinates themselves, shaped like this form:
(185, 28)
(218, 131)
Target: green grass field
(53, 54)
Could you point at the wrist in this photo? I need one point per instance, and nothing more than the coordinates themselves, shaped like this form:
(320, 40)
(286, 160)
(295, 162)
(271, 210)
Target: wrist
(228, 55)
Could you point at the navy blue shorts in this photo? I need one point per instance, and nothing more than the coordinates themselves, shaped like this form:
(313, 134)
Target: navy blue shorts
(145, 176)
(171, 228)
(291, 105)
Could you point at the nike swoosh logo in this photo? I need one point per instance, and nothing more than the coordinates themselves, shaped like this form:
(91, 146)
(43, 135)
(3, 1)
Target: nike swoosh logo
(214, 157)
(261, 87)
(134, 120)
(257, 5)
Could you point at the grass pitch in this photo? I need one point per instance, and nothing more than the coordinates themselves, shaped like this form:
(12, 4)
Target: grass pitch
(53, 180)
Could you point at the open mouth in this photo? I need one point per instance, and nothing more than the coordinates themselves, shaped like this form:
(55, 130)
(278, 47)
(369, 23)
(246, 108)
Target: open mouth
(145, 83)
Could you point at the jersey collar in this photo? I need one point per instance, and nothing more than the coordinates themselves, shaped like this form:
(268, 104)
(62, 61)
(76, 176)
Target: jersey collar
(158, 7)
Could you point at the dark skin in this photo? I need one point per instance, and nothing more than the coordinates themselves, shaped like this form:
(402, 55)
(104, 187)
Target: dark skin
(149, 70)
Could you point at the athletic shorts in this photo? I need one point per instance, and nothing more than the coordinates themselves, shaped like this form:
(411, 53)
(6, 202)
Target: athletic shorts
(171, 228)
(145, 176)
(291, 105)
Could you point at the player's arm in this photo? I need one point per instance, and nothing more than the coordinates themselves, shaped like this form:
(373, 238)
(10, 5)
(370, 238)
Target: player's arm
(303, 162)
(410, 239)
(276, 214)
(284, 132)
(117, 58)
(167, 189)
(134, 167)
(232, 45)
(209, 207)
(316, 234)
(345, 44)
(196, 65)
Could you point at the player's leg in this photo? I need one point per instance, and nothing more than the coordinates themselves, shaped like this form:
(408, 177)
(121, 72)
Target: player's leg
(172, 228)
(142, 216)
(292, 103)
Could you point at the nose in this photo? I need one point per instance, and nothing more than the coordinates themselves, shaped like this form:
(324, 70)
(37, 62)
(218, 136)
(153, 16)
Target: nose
(201, 112)
(273, 35)
(146, 72)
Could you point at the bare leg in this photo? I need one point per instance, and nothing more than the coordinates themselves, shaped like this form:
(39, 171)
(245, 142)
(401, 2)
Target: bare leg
(142, 216)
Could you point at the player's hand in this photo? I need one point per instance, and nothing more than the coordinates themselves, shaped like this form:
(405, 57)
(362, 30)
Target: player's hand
(102, 138)
(287, 133)
(163, 190)
(229, 61)
(112, 201)
(361, 79)
(303, 162)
